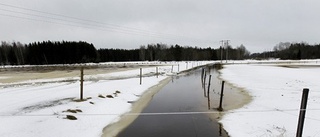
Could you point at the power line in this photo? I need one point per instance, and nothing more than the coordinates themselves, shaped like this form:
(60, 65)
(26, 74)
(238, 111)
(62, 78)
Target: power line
(69, 17)
(88, 27)
(79, 19)
(112, 27)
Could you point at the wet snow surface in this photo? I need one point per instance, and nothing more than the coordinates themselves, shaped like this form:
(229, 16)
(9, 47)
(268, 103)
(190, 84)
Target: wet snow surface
(276, 91)
(39, 107)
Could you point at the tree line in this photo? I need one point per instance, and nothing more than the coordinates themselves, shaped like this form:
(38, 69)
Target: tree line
(69, 52)
(293, 51)
(164, 52)
(47, 52)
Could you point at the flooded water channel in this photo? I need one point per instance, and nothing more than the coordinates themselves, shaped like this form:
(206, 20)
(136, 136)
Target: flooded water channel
(185, 93)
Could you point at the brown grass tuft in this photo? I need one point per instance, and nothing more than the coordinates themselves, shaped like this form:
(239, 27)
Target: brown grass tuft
(101, 96)
(109, 96)
(73, 110)
(71, 117)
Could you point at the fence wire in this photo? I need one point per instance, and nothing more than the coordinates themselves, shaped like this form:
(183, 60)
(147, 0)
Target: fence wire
(166, 113)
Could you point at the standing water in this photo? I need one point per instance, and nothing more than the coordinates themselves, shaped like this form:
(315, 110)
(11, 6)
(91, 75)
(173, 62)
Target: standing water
(164, 116)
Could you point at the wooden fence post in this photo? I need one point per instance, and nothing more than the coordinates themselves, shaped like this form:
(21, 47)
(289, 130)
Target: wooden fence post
(81, 83)
(302, 114)
(202, 73)
(157, 73)
(186, 65)
(140, 76)
(205, 78)
(171, 68)
(221, 97)
(208, 93)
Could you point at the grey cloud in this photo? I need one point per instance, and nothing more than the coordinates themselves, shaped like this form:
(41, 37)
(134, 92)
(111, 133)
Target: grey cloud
(259, 25)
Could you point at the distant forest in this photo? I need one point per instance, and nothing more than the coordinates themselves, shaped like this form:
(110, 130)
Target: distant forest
(293, 51)
(69, 52)
(66, 52)
(39, 53)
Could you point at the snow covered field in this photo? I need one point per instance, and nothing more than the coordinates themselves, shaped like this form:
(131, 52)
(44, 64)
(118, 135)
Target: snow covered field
(276, 90)
(39, 106)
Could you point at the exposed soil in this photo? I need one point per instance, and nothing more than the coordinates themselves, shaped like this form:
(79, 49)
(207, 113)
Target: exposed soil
(19, 74)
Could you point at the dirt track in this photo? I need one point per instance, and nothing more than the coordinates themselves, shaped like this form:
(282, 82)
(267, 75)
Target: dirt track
(19, 74)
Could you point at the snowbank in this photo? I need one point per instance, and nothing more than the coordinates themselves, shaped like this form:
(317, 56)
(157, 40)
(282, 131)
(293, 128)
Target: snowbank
(39, 107)
(276, 93)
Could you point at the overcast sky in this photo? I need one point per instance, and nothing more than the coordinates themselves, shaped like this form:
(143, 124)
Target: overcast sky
(257, 24)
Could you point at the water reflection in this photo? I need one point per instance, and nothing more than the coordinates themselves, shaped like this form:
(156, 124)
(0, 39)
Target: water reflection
(184, 94)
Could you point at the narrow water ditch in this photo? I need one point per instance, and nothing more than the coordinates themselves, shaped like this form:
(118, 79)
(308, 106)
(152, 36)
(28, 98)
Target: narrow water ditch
(170, 108)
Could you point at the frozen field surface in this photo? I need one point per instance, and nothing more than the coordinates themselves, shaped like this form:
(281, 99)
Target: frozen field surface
(36, 103)
(276, 91)
(39, 103)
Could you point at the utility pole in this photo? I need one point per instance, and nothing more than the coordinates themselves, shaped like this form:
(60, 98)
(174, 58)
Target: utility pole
(221, 50)
(225, 43)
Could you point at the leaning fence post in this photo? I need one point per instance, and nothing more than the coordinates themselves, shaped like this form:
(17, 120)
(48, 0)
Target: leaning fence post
(221, 97)
(205, 78)
(302, 114)
(202, 73)
(208, 93)
(81, 83)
